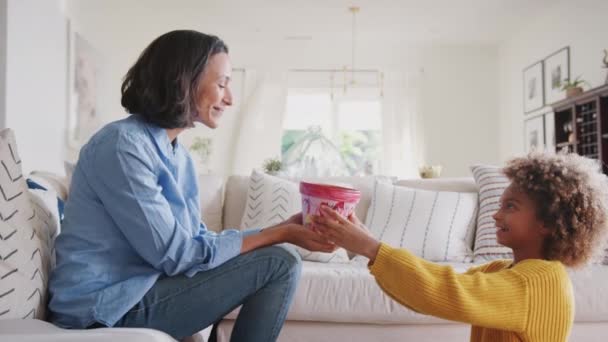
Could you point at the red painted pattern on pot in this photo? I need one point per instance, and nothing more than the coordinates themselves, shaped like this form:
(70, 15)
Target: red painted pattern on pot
(341, 199)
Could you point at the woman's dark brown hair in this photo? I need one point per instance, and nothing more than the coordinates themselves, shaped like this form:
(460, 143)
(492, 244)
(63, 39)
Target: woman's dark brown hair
(162, 85)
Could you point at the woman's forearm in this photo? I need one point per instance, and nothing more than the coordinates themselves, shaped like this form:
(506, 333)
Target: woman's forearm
(267, 237)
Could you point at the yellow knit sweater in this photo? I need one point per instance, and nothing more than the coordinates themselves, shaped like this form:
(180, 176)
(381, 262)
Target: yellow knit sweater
(532, 301)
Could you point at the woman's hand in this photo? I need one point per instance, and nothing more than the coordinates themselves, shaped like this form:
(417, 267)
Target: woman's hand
(350, 234)
(295, 219)
(292, 231)
(308, 239)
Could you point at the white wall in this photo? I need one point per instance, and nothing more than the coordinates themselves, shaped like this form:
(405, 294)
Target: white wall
(458, 87)
(460, 107)
(36, 68)
(582, 25)
(3, 24)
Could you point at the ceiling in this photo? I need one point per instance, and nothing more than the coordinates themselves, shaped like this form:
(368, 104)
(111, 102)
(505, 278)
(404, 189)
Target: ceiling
(412, 21)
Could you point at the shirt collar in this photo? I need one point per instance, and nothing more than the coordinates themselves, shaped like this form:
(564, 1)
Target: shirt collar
(161, 139)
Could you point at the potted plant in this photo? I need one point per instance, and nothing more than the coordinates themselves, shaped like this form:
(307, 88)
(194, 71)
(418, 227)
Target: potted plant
(573, 88)
(272, 166)
(202, 148)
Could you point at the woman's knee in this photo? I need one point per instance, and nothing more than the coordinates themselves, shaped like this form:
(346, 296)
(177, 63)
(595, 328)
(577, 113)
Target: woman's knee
(286, 257)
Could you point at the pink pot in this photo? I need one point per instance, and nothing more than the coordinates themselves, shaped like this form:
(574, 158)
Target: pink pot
(341, 199)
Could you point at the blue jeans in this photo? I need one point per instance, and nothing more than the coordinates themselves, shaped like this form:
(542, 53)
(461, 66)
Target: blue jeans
(263, 281)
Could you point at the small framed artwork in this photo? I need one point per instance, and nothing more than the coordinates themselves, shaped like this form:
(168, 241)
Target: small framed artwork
(534, 134)
(550, 131)
(533, 87)
(84, 75)
(557, 69)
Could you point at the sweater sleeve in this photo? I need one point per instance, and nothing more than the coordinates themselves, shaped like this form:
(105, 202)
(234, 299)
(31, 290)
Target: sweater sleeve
(497, 300)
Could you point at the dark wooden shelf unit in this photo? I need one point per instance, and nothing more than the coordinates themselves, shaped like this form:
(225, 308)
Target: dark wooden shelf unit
(581, 124)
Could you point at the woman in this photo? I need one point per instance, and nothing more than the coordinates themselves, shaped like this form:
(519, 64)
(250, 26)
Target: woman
(133, 252)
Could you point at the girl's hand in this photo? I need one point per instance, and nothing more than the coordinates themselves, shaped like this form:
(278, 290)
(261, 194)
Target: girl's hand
(292, 231)
(355, 220)
(349, 234)
(309, 239)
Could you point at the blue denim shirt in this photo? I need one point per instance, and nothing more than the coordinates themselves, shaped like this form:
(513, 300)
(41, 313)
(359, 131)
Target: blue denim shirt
(132, 216)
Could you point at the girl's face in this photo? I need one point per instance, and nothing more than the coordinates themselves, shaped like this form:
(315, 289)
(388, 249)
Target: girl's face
(214, 93)
(517, 222)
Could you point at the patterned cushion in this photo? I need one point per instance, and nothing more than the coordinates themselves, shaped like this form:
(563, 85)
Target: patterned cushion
(435, 225)
(271, 200)
(44, 192)
(26, 227)
(69, 171)
(492, 183)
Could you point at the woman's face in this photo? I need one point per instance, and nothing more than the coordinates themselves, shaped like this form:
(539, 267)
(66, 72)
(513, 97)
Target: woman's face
(214, 93)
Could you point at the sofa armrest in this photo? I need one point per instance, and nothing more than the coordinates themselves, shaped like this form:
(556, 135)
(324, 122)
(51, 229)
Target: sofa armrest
(33, 330)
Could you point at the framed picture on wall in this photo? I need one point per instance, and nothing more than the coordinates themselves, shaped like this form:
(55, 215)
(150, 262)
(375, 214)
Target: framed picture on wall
(550, 131)
(533, 87)
(557, 69)
(534, 134)
(84, 71)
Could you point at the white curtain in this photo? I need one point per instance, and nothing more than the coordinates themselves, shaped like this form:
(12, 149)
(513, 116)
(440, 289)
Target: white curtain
(259, 130)
(402, 127)
(258, 134)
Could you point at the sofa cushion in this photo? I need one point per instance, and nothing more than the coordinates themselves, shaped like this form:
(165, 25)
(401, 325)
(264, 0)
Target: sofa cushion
(48, 196)
(33, 330)
(51, 181)
(69, 168)
(26, 232)
(492, 183)
(237, 187)
(211, 192)
(349, 293)
(590, 295)
(435, 225)
(272, 200)
(235, 199)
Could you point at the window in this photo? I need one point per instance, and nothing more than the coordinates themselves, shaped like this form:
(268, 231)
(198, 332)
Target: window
(352, 124)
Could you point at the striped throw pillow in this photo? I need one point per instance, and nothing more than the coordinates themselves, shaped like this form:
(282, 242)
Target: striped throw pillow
(492, 183)
(435, 225)
(272, 200)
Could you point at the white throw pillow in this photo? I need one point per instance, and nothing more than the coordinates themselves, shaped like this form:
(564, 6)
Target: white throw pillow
(435, 225)
(25, 229)
(211, 190)
(69, 172)
(51, 181)
(271, 200)
(492, 183)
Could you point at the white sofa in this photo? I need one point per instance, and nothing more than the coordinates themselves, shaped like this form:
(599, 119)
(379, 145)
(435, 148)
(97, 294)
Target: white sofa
(29, 221)
(333, 301)
(343, 302)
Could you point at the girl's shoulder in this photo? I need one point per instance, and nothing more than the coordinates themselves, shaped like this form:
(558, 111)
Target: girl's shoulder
(491, 266)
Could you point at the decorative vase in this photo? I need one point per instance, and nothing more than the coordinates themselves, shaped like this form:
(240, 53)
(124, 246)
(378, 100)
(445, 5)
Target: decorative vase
(571, 92)
(427, 171)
